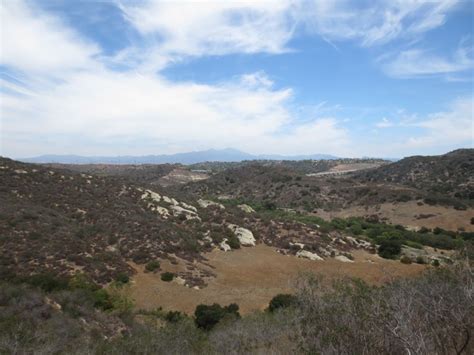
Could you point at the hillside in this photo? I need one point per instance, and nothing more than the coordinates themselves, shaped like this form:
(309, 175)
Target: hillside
(64, 222)
(451, 174)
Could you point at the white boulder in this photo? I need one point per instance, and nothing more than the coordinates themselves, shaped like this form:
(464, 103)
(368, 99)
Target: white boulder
(148, 194)
(207, 203)
(244, 235)
(189, 207)
(308, 255)
(177, 210)
(224, 246)
(246, 208)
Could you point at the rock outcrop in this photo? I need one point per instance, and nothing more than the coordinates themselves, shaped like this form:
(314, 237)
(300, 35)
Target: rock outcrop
(246, 208)
(308, 255)
(244, 235)
(207, 203)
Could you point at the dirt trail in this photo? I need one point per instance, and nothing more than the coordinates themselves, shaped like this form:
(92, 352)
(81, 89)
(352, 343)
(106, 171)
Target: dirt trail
(250, 277)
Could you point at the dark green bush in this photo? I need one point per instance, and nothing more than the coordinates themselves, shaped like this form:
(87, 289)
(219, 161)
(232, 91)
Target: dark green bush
(152, 266)
(174, 316)
(206, 317)
(122, 278)
(233, 242)
(281, 300)
(167, 276)
(390, 248)
(47, 282)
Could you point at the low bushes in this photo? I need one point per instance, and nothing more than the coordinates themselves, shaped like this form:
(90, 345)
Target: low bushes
(152, 266)
(206, 317)
(280, 301)
(167, 276)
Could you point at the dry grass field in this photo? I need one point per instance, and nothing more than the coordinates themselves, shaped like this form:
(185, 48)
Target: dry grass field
(412, 215)
(250, 277)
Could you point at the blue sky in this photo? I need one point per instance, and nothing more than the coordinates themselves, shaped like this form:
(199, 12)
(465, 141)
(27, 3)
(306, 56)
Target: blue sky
(350, 78)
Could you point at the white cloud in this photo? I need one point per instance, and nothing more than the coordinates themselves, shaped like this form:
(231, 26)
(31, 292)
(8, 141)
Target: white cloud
(196, 28)
(71, 102)
(36, 42)
(450, 128)
(105, 106)
(384, 123)
(417, 63)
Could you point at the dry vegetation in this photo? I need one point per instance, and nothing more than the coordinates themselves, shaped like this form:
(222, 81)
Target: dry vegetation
(120, 259)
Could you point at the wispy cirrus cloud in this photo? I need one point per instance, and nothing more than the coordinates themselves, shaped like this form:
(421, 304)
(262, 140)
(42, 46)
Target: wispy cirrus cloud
(375, 23)
(418, 63)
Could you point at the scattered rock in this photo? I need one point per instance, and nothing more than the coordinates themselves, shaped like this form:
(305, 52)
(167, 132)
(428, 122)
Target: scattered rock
(189, 207)
(177, 210)
(170, 200)
(308, 255)
(224, 246)
(246, 208)
(207, 203)
(299, 245)
(148, 194)
(179, 280)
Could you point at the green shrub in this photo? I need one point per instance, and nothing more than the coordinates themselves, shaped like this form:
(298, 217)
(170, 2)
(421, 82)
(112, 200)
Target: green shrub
(282, 300)
(435, 262)
(174, 316)
(206, 317)
(47, 282)
(102, 300)
(390, 248)
(167, 276)
(233, 242)
(412, 244)
(122, 278)
(152, 266)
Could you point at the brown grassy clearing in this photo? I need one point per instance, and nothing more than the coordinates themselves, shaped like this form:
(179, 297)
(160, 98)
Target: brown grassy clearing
(250, 277)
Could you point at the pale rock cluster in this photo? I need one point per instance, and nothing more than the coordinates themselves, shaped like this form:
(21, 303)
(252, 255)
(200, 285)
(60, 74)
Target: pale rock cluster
(206, 203)
(308, 255)
(176, 208)
(244, 235)
(246, 208)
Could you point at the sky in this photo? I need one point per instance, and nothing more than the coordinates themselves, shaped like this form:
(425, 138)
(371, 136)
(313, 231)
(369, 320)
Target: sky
(386, 78)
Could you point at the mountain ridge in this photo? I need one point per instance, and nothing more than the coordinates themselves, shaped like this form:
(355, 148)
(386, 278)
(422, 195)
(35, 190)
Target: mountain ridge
(210, 155)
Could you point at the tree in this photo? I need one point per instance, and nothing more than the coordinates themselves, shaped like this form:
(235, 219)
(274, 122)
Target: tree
(390, 248)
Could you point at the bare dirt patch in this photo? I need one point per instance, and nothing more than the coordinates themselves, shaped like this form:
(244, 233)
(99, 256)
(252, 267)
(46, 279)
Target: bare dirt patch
(250, 277)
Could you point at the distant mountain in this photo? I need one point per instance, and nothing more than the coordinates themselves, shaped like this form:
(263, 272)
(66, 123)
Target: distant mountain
(211, 155)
